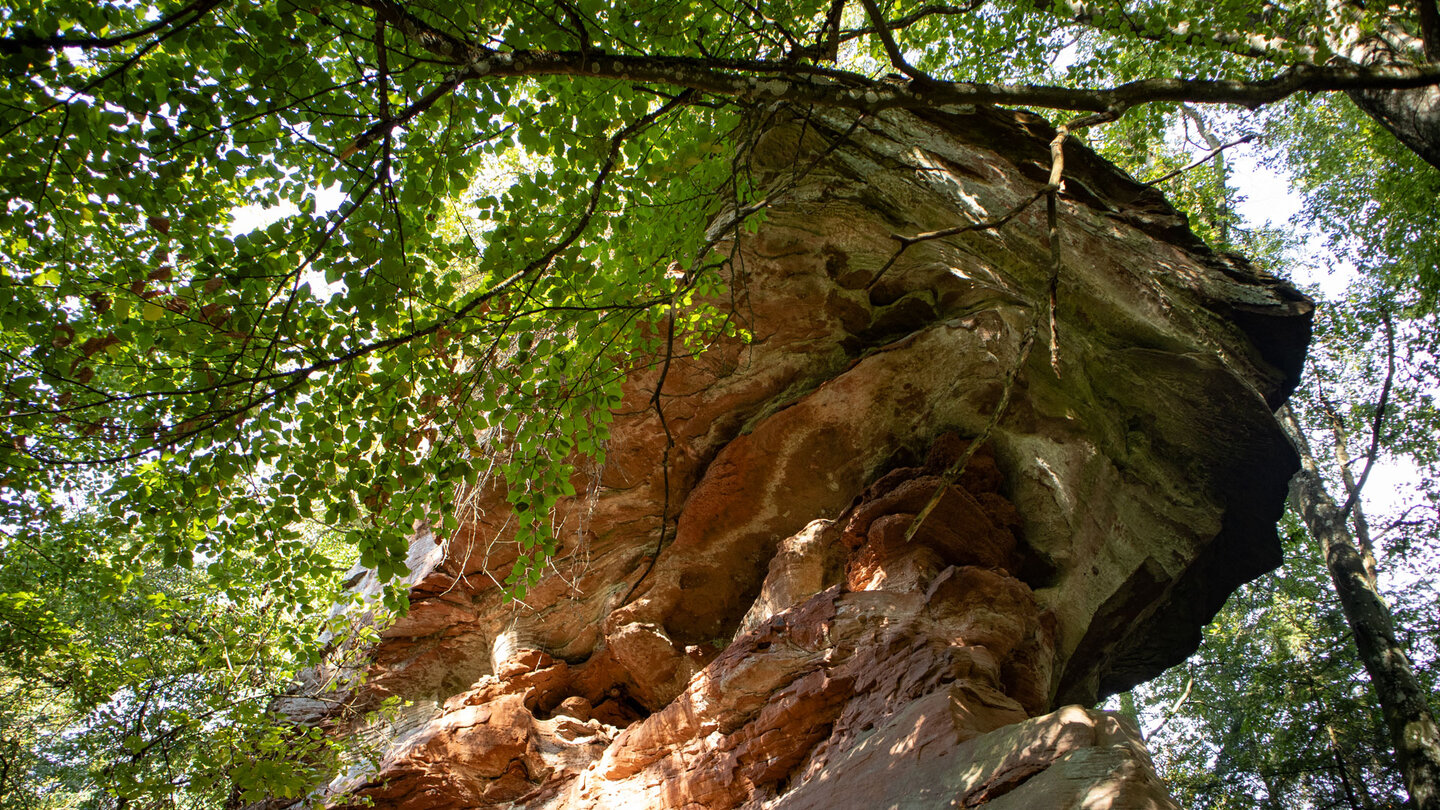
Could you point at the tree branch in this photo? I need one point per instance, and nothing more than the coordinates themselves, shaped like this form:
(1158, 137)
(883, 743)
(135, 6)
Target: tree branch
(1243, 43)
(764, 80)
(387, 124)
(887, 41)
(655, 403)
(758, 80)
(55, 43)
(1203, 159)
(1378, 420)
(827, 41)
(1343, 462)
(1174, 708)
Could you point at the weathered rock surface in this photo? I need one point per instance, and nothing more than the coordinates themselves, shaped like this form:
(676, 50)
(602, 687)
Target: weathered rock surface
(787, 647)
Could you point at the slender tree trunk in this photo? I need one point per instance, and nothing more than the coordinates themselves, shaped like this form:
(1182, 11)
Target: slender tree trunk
(1403, 701)
(1344, 771)
(1273, 791)
(1430, 28)
(1347, 477)
(1222, 173)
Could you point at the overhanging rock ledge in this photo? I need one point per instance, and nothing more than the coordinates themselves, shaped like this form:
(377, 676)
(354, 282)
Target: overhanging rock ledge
(788, 648)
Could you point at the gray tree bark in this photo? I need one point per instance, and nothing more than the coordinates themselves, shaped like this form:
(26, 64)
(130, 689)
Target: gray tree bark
(1413, 115)
(1403, 701)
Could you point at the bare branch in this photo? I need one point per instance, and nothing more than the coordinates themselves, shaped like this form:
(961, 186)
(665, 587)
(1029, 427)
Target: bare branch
(982, 225)
(952, 474)
(386, 125)
(1203, 159)
(1051, 187)
(887, 41)
(766, 80)
(1174, 708)
(655, 403)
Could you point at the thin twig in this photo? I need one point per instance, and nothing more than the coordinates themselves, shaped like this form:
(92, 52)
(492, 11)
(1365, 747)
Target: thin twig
(952, 473)
(1404, 519)
(1207, 157)
(1174, 708)
(983, 225)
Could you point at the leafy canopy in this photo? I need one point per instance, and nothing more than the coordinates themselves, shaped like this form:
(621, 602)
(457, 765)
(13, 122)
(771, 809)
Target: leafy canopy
(190, 398)
(525, 190)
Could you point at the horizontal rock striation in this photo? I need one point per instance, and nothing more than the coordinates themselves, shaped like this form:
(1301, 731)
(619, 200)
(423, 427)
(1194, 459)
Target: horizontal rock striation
(788, 647)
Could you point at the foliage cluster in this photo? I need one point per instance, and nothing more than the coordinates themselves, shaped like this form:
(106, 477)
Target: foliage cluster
(127, 680)
(1275, 710)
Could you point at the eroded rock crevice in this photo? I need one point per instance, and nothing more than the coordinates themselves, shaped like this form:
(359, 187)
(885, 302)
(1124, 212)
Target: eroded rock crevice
(853, 632)
(788, 647)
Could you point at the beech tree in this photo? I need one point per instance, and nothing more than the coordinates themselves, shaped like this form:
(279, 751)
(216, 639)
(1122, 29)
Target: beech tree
(524, 196)
(1312, 686)
(1274, 710)
(1285, 703)
(1405, 701)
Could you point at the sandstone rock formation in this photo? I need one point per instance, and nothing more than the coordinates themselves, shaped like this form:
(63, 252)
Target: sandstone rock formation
(787, 647)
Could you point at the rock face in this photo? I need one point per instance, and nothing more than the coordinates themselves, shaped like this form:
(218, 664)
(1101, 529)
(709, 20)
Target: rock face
(788, 647)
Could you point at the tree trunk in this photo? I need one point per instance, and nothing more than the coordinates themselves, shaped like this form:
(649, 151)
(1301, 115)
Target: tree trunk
(1403, 701)
(1343, 770)
(1347, 477)
(1412, 116)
